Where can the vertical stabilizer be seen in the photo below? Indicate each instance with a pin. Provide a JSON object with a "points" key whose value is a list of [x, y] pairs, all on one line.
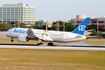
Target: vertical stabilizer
{"points": [[82, 27]]}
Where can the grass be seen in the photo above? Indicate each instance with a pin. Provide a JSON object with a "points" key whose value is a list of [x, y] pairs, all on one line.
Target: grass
{"points": [[52, 59]]}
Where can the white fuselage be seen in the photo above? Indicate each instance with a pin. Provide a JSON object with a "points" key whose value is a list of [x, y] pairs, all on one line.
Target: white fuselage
{"points": [[57, 36]]}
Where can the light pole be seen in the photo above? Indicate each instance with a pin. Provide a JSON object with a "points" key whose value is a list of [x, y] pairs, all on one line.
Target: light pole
{"points": [[58, 26], [64, 26], [46, 26], [97, 25]]}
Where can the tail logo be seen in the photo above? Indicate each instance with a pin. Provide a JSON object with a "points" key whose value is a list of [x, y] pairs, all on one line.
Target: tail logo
{"points": [[81, 28]]}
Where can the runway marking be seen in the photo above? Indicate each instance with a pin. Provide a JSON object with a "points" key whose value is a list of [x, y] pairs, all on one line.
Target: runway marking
{"points": [[62, 48], [12, 47]]}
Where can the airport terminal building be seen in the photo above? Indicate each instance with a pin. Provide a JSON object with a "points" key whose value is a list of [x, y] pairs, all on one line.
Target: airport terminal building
{"points": [[17, 13]]}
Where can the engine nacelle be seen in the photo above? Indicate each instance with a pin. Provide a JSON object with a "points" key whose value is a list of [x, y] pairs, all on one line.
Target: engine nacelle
{"points": [[23, 38]]}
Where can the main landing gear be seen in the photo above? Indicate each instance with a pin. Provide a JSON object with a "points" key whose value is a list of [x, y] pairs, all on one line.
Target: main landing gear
{"points": [[50, 44], [40, 42], [12, 39]]}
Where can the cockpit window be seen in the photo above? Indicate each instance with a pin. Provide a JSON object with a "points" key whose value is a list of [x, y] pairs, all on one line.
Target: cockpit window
{"points": [[10, 30]]}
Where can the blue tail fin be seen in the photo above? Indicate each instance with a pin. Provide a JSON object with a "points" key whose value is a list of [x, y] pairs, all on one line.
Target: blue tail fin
{"points": [[81, 28]]}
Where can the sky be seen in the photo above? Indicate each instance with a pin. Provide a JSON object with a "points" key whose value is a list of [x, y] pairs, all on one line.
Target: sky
{"points": [[65, 10]]}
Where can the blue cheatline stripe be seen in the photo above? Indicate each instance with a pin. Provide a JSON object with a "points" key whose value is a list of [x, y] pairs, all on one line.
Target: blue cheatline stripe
{"points": [[82, 27]]}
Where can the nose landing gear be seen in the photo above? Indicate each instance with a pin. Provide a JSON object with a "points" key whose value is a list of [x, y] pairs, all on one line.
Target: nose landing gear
{"points": [[12, 39]]}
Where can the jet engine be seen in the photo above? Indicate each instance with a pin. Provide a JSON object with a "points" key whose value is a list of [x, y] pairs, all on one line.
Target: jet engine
{"points": [[23, 38]]}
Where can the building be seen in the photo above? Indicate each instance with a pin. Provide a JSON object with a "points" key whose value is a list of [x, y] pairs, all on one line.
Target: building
{"points": [[17, 13], [44, 22], [80, 18], [98, 21]]}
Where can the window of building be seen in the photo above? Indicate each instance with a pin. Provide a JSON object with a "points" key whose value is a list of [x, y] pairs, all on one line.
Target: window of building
{"points": [[93, 21], [16, 7], [79, 21], [4, 8], [12, 14], [8, 19], [0, 12], [8, 14], [16, 19], [8, 8], [16, 10], [100, 21], [4, 12], [4, 19], [12, 10], [12, 7], [0, 21], [32, 8], [12, 17]]}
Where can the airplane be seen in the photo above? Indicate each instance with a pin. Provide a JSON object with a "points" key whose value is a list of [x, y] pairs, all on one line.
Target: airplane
{"points": [[26, 34]]}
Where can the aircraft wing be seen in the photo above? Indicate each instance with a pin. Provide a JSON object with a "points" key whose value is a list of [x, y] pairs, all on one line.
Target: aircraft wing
{"points": [[31, 35]]}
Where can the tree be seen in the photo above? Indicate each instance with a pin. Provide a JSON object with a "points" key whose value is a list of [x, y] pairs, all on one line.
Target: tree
{"points": [[101, 27], [92, 26], [70, 27], [23, 25], [37, 23], [5, 27], [44, 27], [99, 33], [12, 24], [36, 27], [54, 27]]}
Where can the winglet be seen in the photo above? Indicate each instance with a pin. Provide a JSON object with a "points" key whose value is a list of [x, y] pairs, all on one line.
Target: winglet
{"points": [[82, 27]]}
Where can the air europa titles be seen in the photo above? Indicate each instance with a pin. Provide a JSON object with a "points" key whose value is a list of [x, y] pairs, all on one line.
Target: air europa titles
{"points": [[20, 31]]}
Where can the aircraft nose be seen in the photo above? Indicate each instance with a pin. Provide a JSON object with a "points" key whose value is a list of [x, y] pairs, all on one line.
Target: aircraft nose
{"points": [[6, 33]]}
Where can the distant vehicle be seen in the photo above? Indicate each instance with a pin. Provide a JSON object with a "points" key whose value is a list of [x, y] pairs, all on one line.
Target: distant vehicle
{"points": [[25, 34]]}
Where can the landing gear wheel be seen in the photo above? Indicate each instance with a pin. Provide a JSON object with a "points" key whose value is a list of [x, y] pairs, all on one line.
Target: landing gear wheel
{"points": [[40, 44], [50, 44], [12, 40]]}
